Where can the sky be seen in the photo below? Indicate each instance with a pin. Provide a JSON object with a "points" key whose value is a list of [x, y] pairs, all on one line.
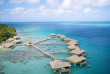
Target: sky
{"points": [[54, 10]]}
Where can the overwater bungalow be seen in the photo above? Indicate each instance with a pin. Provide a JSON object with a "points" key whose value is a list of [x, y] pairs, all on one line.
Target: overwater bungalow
{"points": [[80, 52], [58, 35], [16, 37], [71, 47], [60, 66], [67, 39], [8, 45], [10, 40], [77, 48], [77, 52], [1, 46], [62, 37], [78, 60], [72, 42], [52, 35], [16, 41]]}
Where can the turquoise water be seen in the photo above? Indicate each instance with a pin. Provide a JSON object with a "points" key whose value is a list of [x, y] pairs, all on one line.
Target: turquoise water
{"points": [[93, 37]]}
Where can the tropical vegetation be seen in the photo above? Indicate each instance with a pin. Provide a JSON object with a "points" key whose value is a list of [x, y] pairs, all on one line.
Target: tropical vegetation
{"points": [[6, 32]]}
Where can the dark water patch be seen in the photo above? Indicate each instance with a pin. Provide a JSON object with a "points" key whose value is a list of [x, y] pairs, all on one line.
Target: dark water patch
{"points": [[104, 59], [25, 62], [2, 72], [94, 71], [108, 63], [47, 66], [20, 55], [2, 67]]}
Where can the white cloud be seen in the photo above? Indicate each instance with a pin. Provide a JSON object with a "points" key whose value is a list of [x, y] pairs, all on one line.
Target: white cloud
{"points": [[33, 1], [52, 3], [42, 7], [101, 3], [79, 4], [16, 1], [96, 11], [41, 11], [87, 10], [24, 1], [71, 4], [17, 10], [1, 2]]}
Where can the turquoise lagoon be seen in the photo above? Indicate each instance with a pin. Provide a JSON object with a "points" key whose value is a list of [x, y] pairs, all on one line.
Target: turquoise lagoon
{"points": [[94, 38]]}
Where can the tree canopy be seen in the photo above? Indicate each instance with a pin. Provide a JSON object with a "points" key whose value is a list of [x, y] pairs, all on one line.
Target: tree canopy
{"points": [[6, 32]]}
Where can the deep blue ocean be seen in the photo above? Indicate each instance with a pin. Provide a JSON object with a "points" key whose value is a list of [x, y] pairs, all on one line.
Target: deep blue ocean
{"points": [[94, 38]]}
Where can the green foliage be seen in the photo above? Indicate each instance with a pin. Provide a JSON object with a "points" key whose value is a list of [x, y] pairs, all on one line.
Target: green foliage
{"points": [[6, 32]]}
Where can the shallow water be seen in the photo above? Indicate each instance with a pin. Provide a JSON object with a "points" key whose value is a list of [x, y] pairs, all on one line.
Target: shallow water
{"points": [[94, 40]]}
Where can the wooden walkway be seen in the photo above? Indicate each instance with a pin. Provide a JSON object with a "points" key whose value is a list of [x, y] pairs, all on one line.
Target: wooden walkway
{"points": [[19, 44], [65, 51], [46, 53], [62, 58], [52, 44], [42, 40]]}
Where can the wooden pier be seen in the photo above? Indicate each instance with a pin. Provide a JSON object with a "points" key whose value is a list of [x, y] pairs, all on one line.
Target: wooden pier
{"points": [[52, 44], [42, 41], [62, 58], [46, 53], [65, 51], [19, 44]]}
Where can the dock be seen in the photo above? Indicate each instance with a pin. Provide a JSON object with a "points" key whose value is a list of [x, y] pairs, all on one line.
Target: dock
{"points": [[52, 44], [19, 44], [65, 51], [46, 53], [61, 58], [42, 41]]}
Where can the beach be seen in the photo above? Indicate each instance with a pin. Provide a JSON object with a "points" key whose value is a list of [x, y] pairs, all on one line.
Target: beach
{"points": [[93, 38]]}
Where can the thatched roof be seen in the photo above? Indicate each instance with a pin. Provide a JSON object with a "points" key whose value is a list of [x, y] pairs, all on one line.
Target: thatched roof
{"points": [[1, 46], [59, 35], [16, 41], [76, 59], [72, 42], [66, 39], [62, 37], [77, 52], [8, 45], [72, 47], [10, 40], [57, 64], [52, 34], [77, 48], [16, 37]]}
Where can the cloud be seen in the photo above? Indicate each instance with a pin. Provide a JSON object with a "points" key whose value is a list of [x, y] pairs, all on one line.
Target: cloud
{"points": [[24, 1], [33, 1], [101, 3], [17, 10], [41, 11], [1, 2], [71, 4], [52, 3], [79, 4], [87, 10], [96, 11]]}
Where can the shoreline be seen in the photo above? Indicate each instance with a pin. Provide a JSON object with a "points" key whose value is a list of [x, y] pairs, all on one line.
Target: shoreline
{"points": [[10, 42]]}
